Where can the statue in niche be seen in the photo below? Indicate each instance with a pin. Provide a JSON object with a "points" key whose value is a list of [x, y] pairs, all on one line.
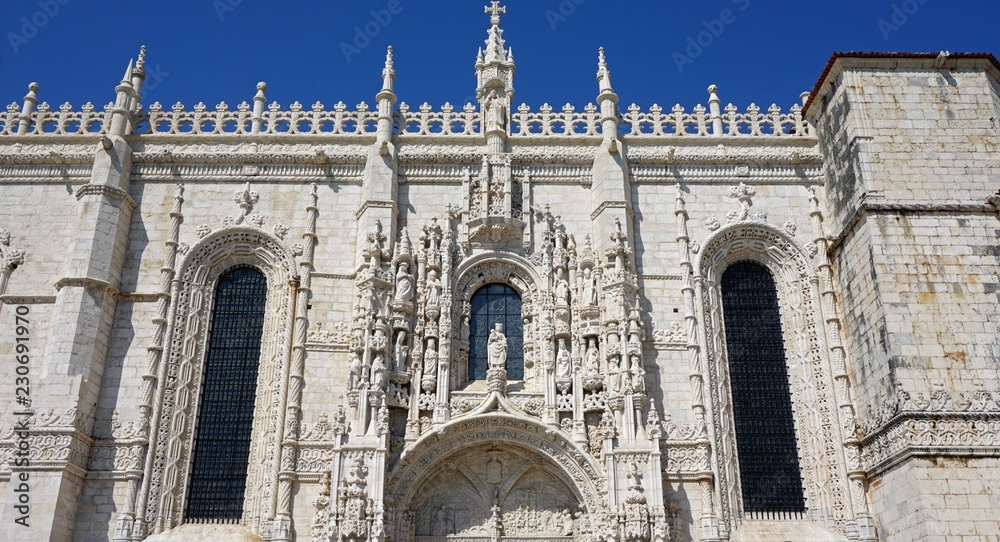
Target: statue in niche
{"points": [[354, 372], [404, 284], [563, 363], [464, 332], [430, 357], [400, 352], [433, 289], [615, 374], [593, 363], [497, 348], [638, 375], [562, 292], [378, 372], [494, 110], [589, 287]]}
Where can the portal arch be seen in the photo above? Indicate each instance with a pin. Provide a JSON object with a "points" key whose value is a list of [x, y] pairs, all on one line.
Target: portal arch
{"points": [[473, 472]]}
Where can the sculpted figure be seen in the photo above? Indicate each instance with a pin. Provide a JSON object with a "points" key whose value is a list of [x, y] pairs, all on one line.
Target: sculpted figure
{"points": [[378, 372], [433, 288], [354, 371], [563, 363], [589, 288], [494, 112], [593, 358], [442, 523], [615, 374], [567, 523], [400, 352], [404, 284], [638, 375], [430, 357], [497, 348], [562, 292]]}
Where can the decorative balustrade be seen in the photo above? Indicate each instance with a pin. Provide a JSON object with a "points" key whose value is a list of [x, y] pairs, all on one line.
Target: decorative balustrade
{"points": [[546, 123], [295, 120], [424, 121], [65, 121], [699, 122]]}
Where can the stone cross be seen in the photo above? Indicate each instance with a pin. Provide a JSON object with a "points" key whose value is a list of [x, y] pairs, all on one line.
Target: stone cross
{"points": [[495, 10]]}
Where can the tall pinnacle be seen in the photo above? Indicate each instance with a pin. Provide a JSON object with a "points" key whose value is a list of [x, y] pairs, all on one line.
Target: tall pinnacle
{"points": [[494, 42], [495, 63]]}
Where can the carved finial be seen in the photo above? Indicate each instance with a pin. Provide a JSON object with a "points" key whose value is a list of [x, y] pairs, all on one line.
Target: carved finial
{"points": [[261, 89], [494, 10], [140, 64], [388, 72], [602, 62]]}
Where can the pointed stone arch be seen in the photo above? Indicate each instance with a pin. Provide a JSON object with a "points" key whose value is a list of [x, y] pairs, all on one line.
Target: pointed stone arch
{"points": [[545, 452], [817, 423], [175, 413]]}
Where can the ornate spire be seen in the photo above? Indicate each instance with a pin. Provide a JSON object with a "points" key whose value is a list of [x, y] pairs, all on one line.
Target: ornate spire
{"points": [[140, 64], [603, 74], [388, 73], [495, 64]]}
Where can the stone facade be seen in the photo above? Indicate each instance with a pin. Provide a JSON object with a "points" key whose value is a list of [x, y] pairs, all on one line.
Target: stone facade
{"points": [[873, 205]]}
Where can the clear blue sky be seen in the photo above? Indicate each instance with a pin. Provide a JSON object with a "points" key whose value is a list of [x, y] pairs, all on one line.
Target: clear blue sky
{"points": [[213, 50]]}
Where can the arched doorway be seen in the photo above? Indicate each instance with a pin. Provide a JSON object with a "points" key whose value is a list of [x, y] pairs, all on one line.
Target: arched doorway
{"points": [[496, 477], [492, 489]]}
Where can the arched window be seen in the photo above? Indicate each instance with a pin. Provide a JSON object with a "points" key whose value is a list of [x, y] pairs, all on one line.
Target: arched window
{"points": [[229, 389], [492, 304], [770, 477]]}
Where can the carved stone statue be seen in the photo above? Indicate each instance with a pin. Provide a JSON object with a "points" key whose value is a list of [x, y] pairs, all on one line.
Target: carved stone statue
{"points": [[430, 357], [567, 523], [563, 363], [378, 372], [562, 292], [433, 289], [497, 348], [638, 375], [615, 374], [589, 288], [494, 113], [400, 352], [442, 522], [404, 284], [593, 364], [354, 372]]}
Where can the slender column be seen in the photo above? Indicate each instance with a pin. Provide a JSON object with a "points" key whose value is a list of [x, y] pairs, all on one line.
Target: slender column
{"points": [[131, 524], [281, 529]]}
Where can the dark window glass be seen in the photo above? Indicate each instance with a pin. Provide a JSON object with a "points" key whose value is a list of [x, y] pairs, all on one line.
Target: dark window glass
{"points": [[762, 407], [492, 304], [225, 414]]}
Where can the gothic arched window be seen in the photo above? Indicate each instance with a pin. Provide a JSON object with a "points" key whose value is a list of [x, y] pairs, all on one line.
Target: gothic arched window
{"points": [[493, 304], [229, 391], [770, 477]]}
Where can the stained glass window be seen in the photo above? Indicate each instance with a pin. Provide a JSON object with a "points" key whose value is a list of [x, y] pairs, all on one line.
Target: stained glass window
{"points": [[493, 304], [765, 432], [229, 390]]}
